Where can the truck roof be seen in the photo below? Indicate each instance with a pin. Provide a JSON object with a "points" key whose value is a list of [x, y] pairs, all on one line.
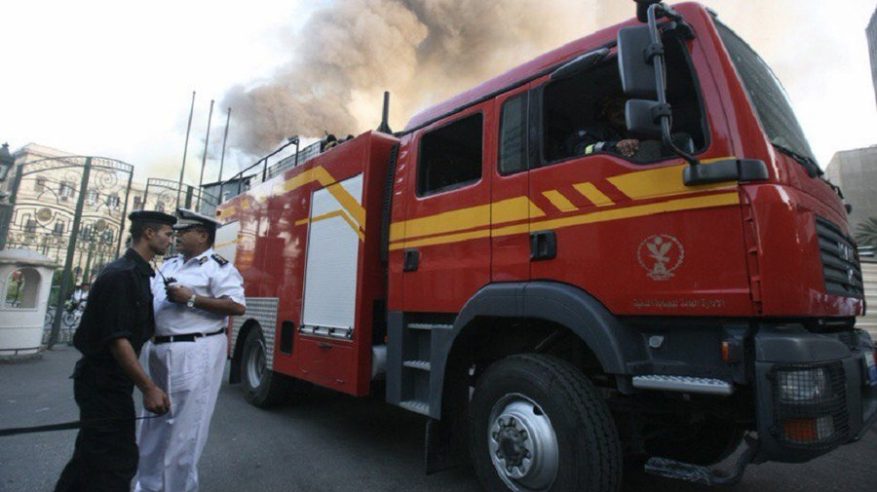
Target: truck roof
{"points": [[529, 70]]}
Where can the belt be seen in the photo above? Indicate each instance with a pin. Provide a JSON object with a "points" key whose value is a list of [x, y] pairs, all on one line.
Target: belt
{"points": [[187, 337]]}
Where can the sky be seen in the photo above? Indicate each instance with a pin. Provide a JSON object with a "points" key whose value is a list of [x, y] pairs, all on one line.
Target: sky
{"points": [[115, 79]]}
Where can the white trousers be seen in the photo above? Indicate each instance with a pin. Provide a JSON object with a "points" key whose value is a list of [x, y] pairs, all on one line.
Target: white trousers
{"points": [[171, 445]]}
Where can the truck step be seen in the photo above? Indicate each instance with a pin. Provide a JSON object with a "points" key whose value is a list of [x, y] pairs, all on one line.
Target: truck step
{"points": [[702, 475], [664, 467], [679, 471], [684, 384], [429, 326], [418, 406], [423, 365]]}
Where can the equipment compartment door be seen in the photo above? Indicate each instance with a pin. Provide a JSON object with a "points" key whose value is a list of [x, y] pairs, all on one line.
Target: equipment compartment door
{"points": [[331, 265]]}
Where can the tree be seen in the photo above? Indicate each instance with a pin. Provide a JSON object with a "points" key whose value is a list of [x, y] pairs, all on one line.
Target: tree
{"points": [[866, 232]]}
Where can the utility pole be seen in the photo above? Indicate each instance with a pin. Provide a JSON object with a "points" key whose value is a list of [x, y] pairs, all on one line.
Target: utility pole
{"points": [[186, 148], [204, 158], [222, 158]]}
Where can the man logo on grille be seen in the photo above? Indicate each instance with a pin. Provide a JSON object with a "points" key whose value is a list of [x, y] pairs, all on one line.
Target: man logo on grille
{"points": [[845, 251], [660, 255]]}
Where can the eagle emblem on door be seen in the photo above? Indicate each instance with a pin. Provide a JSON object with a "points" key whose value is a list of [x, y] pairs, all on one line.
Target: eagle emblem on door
{"points": [[660, 255]]}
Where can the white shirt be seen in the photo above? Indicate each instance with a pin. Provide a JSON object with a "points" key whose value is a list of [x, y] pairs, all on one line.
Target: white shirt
{"points": [[207, 277], [79, 295]]}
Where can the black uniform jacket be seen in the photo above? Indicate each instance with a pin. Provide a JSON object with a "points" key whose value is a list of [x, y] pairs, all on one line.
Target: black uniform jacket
{"points": [[119, 305]]}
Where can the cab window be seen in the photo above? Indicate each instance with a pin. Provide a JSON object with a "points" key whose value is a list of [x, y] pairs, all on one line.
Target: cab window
{"points": [[513, 135], [584, 114], [450, 156]]}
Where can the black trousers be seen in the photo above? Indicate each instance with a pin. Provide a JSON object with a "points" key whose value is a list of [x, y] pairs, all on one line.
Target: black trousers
{"points": [[106, 454]]}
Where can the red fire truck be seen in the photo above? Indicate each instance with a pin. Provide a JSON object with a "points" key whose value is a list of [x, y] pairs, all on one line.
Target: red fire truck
{"points": [[555, 300]]}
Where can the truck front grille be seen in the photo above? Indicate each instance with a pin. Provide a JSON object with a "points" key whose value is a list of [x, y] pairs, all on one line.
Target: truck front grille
{"points": [[840, 261]]}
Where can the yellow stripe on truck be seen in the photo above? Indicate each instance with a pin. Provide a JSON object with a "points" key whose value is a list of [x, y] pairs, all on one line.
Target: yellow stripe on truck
{"points": [[320, 175], [501, 212], [681, 204], [663, 182], [559, 201], [589, 191]]}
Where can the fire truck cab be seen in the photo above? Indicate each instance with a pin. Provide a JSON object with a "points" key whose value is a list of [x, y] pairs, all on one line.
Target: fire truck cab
{"points": [[556, 285]]}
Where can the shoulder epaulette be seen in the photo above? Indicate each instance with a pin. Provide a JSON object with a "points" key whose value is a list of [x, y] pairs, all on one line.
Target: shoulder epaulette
{"points": [[219, 259], [203, 260]]}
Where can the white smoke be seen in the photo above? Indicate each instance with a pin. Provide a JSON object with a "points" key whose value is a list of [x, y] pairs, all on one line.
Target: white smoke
{"points": [[422, 51]]}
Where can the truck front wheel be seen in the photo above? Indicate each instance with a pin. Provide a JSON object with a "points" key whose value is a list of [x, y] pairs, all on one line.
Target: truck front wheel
{"points": [[538, 424], [262, 386]]}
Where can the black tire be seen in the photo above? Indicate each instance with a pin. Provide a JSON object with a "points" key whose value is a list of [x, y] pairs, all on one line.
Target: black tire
{"points": [[585, 452], [705, 443], [262, 386]]}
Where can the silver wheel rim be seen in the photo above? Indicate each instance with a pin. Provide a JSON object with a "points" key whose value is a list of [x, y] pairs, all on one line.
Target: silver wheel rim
{"points": [[522, 444], [256, 365]]}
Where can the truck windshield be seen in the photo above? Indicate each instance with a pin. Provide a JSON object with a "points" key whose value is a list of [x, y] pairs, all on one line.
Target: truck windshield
{"points": [[769, 99]]}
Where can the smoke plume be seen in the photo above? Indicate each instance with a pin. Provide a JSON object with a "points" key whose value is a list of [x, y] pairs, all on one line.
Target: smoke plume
{"points": [[422, 51]]}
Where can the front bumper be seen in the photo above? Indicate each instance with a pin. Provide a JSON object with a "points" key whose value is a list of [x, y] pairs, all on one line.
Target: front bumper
{"points": [[812, 390]]}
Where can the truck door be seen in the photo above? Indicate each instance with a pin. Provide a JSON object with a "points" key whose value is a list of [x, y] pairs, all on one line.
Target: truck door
{"points": [[621, 224], [511, 205], [445, 236]]}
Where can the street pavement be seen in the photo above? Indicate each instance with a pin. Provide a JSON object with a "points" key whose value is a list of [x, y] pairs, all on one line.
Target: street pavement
{"points": [[326, 442]]}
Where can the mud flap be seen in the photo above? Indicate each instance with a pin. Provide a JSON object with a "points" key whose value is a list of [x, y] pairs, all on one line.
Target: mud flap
{"points": [[444, 448]]}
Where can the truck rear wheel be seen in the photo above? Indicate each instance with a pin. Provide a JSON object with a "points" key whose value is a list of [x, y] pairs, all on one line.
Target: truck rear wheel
{"points": [[262, 386], [538, 424]]}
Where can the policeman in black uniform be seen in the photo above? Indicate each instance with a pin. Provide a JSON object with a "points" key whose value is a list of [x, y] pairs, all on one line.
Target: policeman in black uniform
{"points": [[118, 319]]}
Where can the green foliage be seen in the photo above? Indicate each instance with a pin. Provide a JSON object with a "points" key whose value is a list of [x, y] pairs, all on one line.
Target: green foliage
{"points": [[56, 285], [866, 232]]}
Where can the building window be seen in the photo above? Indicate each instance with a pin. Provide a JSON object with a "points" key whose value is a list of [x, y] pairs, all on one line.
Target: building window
{"points": [[450, 157], [65, 190], [59, 228], [113, 201], [137, 204], [30, 226], [92, 197], [159, 206], [40, 183], [85, 233]]}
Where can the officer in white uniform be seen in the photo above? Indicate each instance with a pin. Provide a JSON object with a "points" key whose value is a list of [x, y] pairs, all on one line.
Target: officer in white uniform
{"points": [[194, 294]]}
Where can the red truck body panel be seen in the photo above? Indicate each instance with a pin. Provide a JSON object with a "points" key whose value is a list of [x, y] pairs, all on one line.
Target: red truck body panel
{"points": [[271, 255], [726, 250]]}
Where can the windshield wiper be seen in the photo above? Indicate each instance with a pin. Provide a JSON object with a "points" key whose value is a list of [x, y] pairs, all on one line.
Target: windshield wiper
{"points": [[809, 164]]}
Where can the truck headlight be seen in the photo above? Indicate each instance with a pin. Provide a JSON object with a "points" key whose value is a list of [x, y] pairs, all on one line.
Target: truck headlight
{"points": [[803, 385], [810, 405]]}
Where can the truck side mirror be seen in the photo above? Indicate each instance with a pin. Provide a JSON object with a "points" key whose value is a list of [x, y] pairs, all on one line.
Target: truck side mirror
{"points": [[634, 63], [643, 118]]}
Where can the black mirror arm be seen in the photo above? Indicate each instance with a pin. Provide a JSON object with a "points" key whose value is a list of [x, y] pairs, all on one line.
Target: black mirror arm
{"points": [[667, 140], [655, 53], [668, 12]]}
